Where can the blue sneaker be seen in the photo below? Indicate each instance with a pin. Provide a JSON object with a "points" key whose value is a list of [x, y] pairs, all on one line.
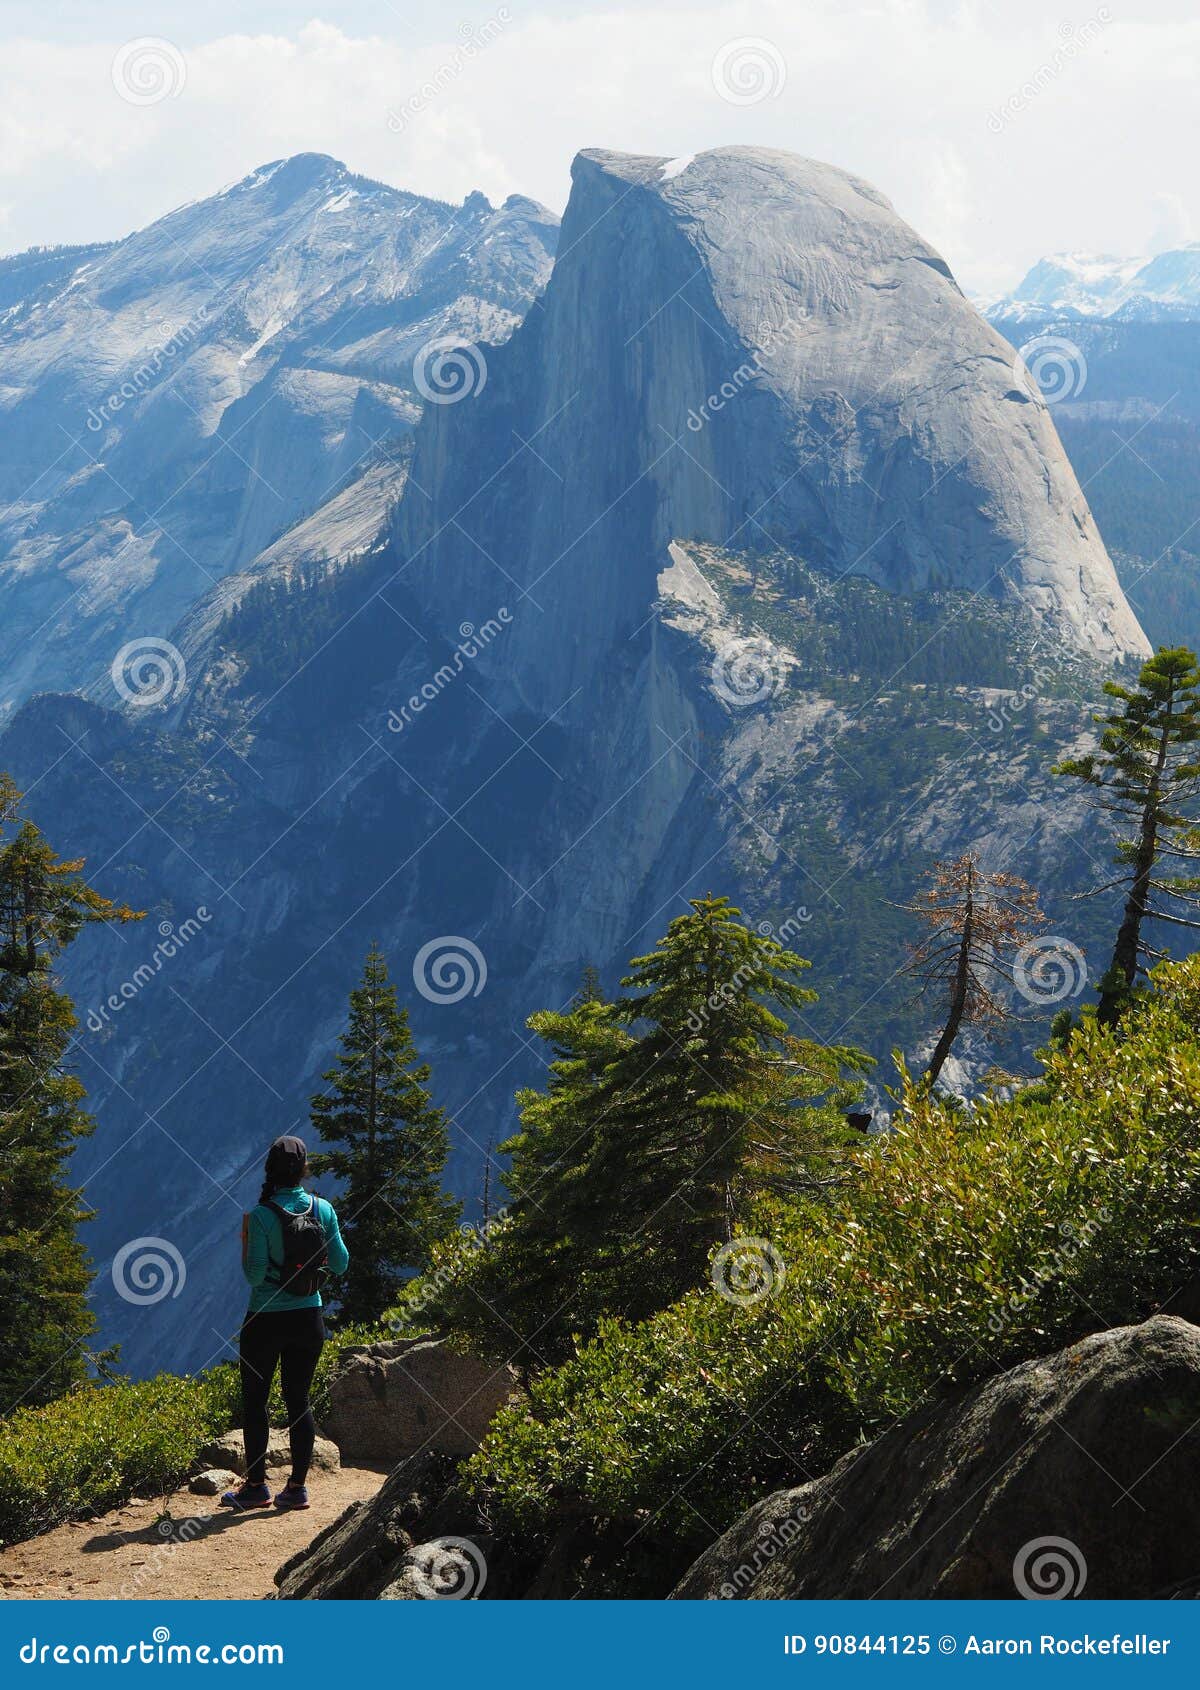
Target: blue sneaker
{"points": [[247, 1496], [292, 1496]]}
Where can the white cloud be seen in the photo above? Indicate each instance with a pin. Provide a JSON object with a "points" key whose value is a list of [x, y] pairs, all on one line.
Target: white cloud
{"points": [[1174, 224], [899, 91]]}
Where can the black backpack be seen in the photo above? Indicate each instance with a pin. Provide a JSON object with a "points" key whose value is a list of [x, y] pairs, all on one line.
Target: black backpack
{"points": [[305, 1252]]}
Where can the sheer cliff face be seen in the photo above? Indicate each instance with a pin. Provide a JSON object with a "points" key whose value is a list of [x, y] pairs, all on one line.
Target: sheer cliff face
{"points": [[753, 349], [173, 403]]}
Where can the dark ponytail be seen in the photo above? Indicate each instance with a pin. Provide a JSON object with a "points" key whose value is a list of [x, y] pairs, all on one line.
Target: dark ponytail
{"points": [[287, 1162]]}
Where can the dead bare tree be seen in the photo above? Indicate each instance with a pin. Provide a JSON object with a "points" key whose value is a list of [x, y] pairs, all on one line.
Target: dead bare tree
{"points": [[975, 922]]}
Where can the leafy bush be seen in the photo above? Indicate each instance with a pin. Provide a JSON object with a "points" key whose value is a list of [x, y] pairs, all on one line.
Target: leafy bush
{"points": [[964, 1242], [102, 1443]]}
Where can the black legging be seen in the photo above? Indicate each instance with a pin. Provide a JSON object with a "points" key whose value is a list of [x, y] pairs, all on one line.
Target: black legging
{"points": [[290, 1339]]}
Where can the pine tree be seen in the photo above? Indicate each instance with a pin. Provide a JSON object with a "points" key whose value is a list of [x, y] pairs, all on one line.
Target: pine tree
{"points": [[708, 1096], [590, 989], [391, 1147], [975, 922], [671, 1120], [1148, 775], [45, 1321]]}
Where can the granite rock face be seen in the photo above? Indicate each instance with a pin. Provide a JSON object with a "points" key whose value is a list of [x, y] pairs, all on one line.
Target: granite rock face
{"points": [[213, 1481], [1068, 1476], [752, 350], [388, 1401], [401, 1544]]}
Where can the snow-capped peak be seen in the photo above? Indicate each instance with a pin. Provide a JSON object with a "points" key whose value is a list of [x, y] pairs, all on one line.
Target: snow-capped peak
{"points": [[1086, 284]]}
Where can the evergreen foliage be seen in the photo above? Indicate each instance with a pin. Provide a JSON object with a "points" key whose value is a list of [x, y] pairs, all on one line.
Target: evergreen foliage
{"points": [[670, 1122], [45, 1321], [390, 1144], [1147, 774], [964, 1243]]}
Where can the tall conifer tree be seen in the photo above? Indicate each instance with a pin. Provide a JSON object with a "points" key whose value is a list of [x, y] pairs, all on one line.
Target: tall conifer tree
{"points": [[45, 1321], [1147, 774], [390, 1147]]}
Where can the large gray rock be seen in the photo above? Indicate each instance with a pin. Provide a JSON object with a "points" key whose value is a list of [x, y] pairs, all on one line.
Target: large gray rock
{"points": [[213, 1481], [1069, 1476], [230, 1452], [389, 1401], [417, 1539]]}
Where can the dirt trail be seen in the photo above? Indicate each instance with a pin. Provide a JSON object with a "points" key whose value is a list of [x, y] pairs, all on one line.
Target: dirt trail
{"points": [[196, 1550]]}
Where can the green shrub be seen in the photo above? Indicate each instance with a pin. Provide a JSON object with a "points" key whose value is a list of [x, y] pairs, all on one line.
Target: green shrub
{"points": [[102, 1443], [964, 1242]]}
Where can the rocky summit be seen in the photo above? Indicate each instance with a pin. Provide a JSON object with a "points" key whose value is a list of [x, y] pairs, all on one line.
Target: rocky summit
{"points": [[771, 358], [174, 403]]}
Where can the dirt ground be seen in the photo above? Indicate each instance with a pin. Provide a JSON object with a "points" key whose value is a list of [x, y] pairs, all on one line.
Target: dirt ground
{"points": [[185, 1547]]}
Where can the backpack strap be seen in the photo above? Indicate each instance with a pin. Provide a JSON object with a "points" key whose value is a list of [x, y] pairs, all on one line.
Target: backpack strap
{"points": [[274, 1268]]}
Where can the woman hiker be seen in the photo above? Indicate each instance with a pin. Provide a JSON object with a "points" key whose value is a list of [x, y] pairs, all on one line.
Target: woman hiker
{"points": [[288, 1242]]}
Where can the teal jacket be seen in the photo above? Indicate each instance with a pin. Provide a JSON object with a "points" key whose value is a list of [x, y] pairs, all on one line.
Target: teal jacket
{"points": [[262, 1247]]}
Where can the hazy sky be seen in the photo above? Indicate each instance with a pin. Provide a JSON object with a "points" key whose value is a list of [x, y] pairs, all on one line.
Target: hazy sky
{"points": [[1002, 131]]}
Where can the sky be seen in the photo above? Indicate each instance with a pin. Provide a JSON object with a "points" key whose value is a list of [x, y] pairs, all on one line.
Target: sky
{"points": [[1001, 131]]}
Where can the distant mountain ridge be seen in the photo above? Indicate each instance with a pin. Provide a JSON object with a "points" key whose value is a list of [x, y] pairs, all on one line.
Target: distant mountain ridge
{"points": [[1165, 288], [173, 403]]}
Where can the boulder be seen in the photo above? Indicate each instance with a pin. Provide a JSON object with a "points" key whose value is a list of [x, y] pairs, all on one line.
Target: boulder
{"points": [[389, 1401], [229, 1452], [1069, 1476], [213, 1482], [416, 1539], [421, 1539]]}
